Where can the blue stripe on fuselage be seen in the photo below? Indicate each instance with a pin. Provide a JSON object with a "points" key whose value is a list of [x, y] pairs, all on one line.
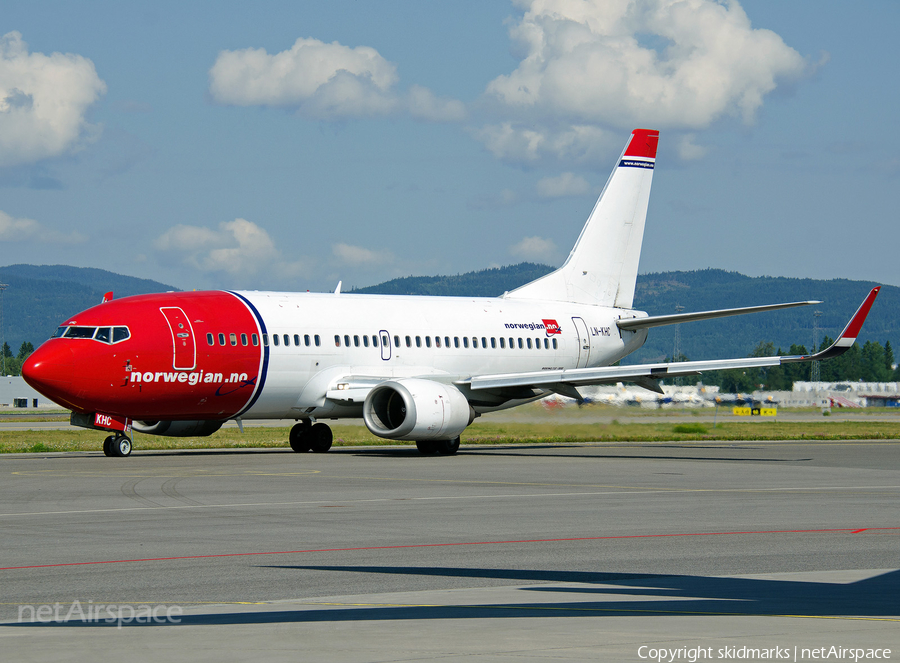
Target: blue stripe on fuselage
{"points": [[265, 367]]}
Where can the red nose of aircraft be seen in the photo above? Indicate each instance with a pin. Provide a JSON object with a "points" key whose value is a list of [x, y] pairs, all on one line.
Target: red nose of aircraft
{"points": [[51, 370]]}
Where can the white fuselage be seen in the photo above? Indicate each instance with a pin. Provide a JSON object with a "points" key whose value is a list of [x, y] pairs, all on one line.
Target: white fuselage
{"points": [[446, 339]]}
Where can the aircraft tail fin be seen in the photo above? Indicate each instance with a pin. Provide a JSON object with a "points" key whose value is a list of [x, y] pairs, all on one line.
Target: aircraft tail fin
{"points": [[602, 267]]}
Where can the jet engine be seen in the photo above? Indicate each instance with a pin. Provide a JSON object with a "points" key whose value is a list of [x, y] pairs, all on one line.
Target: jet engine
{"points": [[417, 409], [198, 428]]}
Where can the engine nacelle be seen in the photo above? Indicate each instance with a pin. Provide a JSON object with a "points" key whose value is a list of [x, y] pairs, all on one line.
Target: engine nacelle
{"points": [[198, 428], [417, 409]]}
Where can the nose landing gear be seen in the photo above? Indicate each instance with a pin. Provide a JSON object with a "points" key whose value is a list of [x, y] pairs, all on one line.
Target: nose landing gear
{"points": [[118, 445]]}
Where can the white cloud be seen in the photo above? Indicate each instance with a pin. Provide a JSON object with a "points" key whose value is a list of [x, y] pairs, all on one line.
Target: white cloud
{"points": [[565, 184], [325, 81], [532, 142], [357, 255], [679, 64], [424, 105], [43, 100], [238, 247], [27, 230], [535, 248], [688, 150]]}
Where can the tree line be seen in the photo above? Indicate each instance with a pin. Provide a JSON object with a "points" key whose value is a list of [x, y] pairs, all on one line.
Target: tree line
{"points": [[13, 365], [871, 362]]}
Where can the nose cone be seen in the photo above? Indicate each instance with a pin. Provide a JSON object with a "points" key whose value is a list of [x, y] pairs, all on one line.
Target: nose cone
{"points": [[50, 370]]}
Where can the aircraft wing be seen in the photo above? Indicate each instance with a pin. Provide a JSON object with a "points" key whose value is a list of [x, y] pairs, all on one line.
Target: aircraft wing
{"points": [[646, 375]]}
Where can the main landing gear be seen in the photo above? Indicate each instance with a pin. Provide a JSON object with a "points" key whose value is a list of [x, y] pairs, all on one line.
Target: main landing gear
{"points": [[118, 445], [307, 436], [442, 447]]}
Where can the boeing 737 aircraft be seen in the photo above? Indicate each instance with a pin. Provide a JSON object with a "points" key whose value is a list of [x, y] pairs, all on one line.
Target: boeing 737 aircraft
{"points": [[415, 368]]}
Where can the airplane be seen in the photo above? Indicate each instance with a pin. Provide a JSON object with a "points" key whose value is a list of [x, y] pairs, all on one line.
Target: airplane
{"points": [[414, 368]]}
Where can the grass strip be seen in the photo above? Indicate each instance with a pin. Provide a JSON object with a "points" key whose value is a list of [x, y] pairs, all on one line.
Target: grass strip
{"points": [[78, 439]]}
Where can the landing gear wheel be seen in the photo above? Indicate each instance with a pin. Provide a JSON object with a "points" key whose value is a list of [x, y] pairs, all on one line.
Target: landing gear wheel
{"points": [[120, 446], [426, 447], [108, 446], [448, 447], [320, 438], [299, 437]]}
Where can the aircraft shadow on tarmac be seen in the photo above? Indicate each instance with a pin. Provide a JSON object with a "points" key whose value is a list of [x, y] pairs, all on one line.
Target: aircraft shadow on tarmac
{"points": [[674, 595]]}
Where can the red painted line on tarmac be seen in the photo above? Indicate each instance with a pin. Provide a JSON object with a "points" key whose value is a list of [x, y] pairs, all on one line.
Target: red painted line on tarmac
{"points": [[457, 543]]}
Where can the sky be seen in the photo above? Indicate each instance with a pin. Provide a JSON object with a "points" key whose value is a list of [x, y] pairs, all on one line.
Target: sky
{"points": [[292, 145]]}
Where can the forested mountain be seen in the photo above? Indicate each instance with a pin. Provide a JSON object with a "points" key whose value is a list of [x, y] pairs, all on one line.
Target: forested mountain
{"points": [[40, 297], [660, 293]]}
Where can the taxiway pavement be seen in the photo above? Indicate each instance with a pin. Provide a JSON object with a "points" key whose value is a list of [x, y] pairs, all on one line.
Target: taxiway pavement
{"points": [[507, 553]]}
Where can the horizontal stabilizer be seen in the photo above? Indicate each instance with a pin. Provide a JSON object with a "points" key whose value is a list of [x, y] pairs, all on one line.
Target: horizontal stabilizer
{"points": [[631, 324]]}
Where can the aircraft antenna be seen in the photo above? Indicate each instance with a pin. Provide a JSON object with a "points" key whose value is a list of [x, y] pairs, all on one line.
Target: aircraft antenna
{"points": [[814, 369]]}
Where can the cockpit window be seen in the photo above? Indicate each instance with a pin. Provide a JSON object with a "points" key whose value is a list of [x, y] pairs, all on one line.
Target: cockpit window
{"points": [[80, 332], [102, 334]]}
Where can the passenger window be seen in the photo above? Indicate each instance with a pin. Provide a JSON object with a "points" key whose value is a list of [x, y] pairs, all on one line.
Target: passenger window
{"points": [[243, 339], [375, 340], [529, 343], [474, 341], [483, 342], [265, 340], [287, 340], [520, 343], [356, 341], [255, 339], [209, 339], [493, 343], [396, 341], [408, 344], [456, 341], [546, 344], [366, 341], [221, 339], [427, 341], [233, 338], [275, 339], [465, 341], [120, 334], [316, 339], [502, 343], [337, 341], [446, 341], [437, 341], [306, 340], [512, 343], [554, 344], [103, 334], [418, 341], [297, 339]]}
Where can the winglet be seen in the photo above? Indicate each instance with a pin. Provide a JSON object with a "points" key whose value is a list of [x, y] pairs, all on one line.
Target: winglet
{"points": [[107, 297], [847, 337]]}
